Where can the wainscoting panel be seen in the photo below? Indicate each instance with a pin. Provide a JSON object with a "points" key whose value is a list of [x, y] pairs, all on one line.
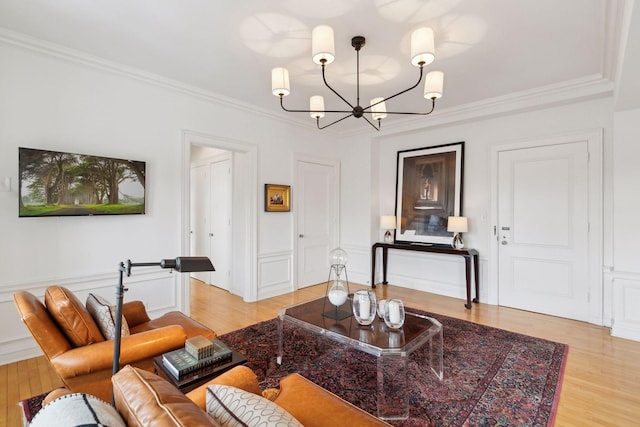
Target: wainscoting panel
{"points": [[626, 300], [359, 264], [275, 273], [158, 290]]}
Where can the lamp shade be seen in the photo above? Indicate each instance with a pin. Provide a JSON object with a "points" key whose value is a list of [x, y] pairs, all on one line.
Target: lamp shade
{"points": [[379, 110], [422, 47], [457, 224], [388, 222], [316, 105], [187, 264], [433, 85], [280, 81], [322, 46]]}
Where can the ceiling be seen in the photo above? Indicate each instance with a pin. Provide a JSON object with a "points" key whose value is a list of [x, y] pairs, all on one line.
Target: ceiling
{"points": [[488, 49]]}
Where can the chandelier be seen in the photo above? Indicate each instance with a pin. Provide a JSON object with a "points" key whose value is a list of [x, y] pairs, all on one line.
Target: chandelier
{"points": [[323, 51]]}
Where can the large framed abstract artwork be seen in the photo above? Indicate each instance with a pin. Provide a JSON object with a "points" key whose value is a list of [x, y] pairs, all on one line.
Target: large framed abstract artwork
{"points": [[428, 192]]}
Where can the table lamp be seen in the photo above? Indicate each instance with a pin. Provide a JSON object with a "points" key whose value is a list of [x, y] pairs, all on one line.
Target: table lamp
{"points": [[180, 264], [457, 225], [388, 222]]}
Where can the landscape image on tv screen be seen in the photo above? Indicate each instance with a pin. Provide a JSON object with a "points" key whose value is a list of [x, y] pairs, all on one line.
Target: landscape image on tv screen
{"points": [[54, 183]]}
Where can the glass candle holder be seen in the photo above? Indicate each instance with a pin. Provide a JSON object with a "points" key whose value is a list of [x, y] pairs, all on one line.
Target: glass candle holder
{"points": [[364, 306], [382, 307], [394, 314]]}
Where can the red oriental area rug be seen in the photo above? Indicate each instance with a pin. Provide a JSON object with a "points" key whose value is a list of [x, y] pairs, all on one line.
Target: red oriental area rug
{"points": [[492, 377]]}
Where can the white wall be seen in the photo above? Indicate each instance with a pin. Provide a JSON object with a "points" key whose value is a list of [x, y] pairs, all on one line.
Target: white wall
{"points": [[625, 275], [52, 102], [445, 275]]}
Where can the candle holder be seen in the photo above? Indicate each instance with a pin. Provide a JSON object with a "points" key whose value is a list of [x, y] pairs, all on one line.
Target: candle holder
{"points": [[394, 314], [364, 306], [337, 292]]}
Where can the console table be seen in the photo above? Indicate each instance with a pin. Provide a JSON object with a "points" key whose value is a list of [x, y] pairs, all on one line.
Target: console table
{"points": [[466, 253]]}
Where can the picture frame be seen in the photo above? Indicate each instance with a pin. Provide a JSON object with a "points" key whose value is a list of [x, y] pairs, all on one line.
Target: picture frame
{"points": [[277, 198], [428, 191]]}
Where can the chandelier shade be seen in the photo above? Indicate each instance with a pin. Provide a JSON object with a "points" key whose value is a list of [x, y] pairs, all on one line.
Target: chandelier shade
{"points": [[422, 49], [316, 105], [280, 81], [323, 54]]}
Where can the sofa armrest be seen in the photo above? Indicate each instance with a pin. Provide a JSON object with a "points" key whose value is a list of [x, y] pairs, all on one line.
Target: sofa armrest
{"points": [[135, 313], [240, 377], [312, 405], [99, 356]]}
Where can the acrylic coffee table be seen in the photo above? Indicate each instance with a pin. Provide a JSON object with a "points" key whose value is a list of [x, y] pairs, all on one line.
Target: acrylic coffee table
{"points": [[392, 348]]}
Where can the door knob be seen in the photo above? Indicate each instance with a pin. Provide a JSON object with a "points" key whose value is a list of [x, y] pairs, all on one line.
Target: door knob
{"points": [[301, 235], [210, 234], [504, 242]]}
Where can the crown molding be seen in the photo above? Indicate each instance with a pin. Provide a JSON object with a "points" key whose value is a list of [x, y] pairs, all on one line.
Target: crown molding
{"points": [[44, 47], [588, 87]]}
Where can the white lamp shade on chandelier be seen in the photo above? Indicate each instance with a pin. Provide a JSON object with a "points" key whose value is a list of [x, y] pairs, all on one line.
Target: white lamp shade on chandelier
{"points": [[280, 81], [322, 45], [316, 105], [378, 108], [434, 85], [422, 47]]}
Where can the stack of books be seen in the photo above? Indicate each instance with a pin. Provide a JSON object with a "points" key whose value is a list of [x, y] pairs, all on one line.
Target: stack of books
{"points": [[199, 354]]}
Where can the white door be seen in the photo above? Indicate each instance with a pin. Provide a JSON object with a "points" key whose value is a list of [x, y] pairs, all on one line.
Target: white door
{"points": [[317, 220], [543, 236], [199, 230], [220, 227]]}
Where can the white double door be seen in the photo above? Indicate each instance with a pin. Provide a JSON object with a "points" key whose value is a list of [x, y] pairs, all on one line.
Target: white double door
{"points": [[543, 229], [211, 213]]}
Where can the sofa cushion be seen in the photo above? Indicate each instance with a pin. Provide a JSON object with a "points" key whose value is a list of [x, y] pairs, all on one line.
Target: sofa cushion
{"points": [[233, 407], [72, 316], [145, 399], [77, 409], [104, 314]]}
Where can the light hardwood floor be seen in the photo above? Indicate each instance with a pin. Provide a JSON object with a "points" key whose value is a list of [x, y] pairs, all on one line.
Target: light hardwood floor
{"points": [[601, 384]]}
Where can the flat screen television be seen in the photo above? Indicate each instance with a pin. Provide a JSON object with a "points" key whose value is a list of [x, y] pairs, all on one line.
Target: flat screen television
{"points": [[53, 183]]}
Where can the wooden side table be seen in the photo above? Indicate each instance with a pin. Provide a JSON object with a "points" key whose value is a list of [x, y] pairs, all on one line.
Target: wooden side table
{"points": [[468, 254], [191, 382]]}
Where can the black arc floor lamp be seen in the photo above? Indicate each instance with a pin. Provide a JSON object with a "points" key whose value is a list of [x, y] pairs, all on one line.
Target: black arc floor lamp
{"points": [[181, 264]]}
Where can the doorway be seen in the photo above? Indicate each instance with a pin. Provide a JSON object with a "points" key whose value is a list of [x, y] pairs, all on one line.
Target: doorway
{"points": [[243, 252], [212, 212], [546, 249]]}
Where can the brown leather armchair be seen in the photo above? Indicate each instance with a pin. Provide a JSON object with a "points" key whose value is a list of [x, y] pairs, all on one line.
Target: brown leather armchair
{"points": [[73, 344]]}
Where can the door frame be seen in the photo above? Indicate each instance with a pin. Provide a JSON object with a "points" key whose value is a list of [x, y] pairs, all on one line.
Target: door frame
{"points": [[335, 232], [594, 141], [245, 252]]}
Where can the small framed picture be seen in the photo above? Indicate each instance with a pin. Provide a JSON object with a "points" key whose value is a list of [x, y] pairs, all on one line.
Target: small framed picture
{"points": [[277, 198]]}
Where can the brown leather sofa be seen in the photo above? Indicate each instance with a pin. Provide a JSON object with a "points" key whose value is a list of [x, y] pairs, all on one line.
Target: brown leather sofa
{"points": [[75, 347], [144, 399]]}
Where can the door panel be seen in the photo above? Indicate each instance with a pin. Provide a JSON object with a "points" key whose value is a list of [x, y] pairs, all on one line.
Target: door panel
{"points": [[316, 221], [220, 230], [543, 229], [199, 216]]}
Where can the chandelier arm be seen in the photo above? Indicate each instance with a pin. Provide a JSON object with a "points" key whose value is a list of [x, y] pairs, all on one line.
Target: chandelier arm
{"points": [[333, 90], [433, 106], [312, 111], [330, 124], [400, 93], [369, 121]]}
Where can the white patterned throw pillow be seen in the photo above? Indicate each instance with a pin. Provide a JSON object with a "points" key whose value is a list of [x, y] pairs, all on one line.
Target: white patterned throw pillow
{"points": [[104, 315], [233, 407], [77, 409]]}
